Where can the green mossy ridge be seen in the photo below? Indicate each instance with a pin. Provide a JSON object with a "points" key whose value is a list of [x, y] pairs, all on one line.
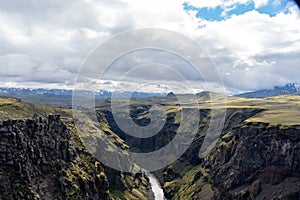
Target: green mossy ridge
{"points": [[194, 178], [12, 108], [82, 168], [136, 193], [117, 195]]}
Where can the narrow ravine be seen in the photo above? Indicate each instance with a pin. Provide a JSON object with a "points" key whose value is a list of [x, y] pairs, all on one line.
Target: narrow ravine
{"points": [[155, 185]]}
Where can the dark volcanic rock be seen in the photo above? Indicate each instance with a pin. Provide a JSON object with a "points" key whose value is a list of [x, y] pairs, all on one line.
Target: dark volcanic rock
{"points": [[37, 160], [257, 161], [249, 161], [44, 158]]}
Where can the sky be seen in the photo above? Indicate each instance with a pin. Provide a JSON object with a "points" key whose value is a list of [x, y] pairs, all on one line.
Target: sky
{"points": [[254, 44]]}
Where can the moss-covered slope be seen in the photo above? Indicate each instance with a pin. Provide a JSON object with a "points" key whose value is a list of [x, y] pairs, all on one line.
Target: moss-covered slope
{"points": [[256, 157], [44, 158]]}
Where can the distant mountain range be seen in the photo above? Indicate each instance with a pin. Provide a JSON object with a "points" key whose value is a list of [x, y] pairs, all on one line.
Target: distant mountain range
{"points": [[64, 92], [63, 97], [291, 88]]}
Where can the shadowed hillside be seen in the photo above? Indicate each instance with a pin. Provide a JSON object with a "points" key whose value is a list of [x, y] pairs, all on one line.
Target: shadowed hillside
{"points": [[256, 156], [43, 158]]}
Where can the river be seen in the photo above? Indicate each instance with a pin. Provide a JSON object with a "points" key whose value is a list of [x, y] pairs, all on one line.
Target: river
{"points": [[155, 185]]}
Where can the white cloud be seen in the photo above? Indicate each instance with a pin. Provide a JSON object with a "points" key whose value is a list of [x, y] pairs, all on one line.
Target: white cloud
{"points": [[203, 4], [228, 4], [15, 65], [260, 3], [215, 3], [255, 50], [51, 39]]}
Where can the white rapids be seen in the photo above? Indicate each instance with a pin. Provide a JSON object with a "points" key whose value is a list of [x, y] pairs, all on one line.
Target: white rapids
{"points": [[155, 185]]}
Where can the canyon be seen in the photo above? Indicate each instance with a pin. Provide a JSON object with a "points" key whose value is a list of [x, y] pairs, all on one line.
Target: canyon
{"points": [[42, 155]]}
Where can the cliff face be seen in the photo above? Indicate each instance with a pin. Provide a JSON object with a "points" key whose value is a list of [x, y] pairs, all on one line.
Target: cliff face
{"points": [[38, 160], [256, 161], [43, 158], [256, 157], [250, 161]]}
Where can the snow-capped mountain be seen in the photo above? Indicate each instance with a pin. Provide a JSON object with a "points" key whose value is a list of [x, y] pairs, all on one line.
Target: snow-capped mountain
{"points": [[63, 97], [290, 88], [64, 92]]}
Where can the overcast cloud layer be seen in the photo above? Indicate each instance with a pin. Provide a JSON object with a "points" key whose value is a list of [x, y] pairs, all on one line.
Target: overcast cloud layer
{"points": [[43, 43]]}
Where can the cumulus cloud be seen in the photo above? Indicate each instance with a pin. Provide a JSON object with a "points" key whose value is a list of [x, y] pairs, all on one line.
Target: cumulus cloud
{"points": [[260, 3], [216, 3], [62, 34], [255, 50], [45, 42]]}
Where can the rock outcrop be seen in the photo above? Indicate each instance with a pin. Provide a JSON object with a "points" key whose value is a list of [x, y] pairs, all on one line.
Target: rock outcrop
{"points": [[43, 158], [250, 161], [256, 161], [39, 160]]}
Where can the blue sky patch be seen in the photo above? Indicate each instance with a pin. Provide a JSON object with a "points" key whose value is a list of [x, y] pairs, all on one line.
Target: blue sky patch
{"points": [[211, 14], [272, 8], [187, 6], [241, 9]]}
